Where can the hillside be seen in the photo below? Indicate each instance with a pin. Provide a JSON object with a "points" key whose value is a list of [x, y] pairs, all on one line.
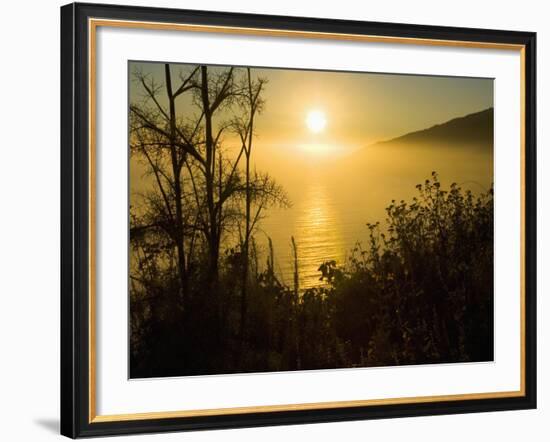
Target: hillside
{"points": [[473, 130]]}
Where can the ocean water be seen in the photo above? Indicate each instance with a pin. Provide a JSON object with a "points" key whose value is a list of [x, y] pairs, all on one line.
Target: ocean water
{"points": [[327, 221], [331, 205], [315, 221]]}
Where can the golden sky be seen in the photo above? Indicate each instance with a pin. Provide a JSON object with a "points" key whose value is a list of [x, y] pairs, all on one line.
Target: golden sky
{"points": [[359, 108]]}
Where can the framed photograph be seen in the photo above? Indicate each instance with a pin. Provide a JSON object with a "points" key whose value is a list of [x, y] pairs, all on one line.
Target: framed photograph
{"points": [[275, 220]]}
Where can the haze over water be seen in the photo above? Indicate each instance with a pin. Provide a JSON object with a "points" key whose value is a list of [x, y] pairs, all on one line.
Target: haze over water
{"points": [[333, 202]]}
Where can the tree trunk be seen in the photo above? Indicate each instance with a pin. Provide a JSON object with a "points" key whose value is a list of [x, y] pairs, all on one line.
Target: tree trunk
{"points": [[246, 247], [176, 170], [213, 234]]}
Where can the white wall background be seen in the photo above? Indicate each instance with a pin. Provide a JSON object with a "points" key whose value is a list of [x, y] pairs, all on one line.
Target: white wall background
{"points": [[29, 219]]}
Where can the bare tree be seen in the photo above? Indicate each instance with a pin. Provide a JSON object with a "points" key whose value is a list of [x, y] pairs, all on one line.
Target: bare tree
{"points": [[191, 144], [202, 189], [260, 190], [244, 126], [154, 131], [215, 91]]}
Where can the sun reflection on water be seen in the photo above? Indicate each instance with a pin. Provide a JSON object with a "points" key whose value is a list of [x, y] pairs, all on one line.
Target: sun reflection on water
{"points": [[317, 235]]}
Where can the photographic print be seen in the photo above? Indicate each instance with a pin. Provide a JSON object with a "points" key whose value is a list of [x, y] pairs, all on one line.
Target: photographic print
{"points": [[285, 219]]}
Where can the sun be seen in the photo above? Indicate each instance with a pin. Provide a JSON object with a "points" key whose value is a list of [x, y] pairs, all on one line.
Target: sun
{"points": [[316, 121]]}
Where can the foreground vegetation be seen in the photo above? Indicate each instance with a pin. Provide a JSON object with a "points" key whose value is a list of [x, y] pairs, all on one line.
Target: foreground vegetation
{"points": [[420, 290]]}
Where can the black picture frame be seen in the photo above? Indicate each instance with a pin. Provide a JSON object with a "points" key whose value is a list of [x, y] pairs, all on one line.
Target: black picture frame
{"points": [[75, 220]]}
